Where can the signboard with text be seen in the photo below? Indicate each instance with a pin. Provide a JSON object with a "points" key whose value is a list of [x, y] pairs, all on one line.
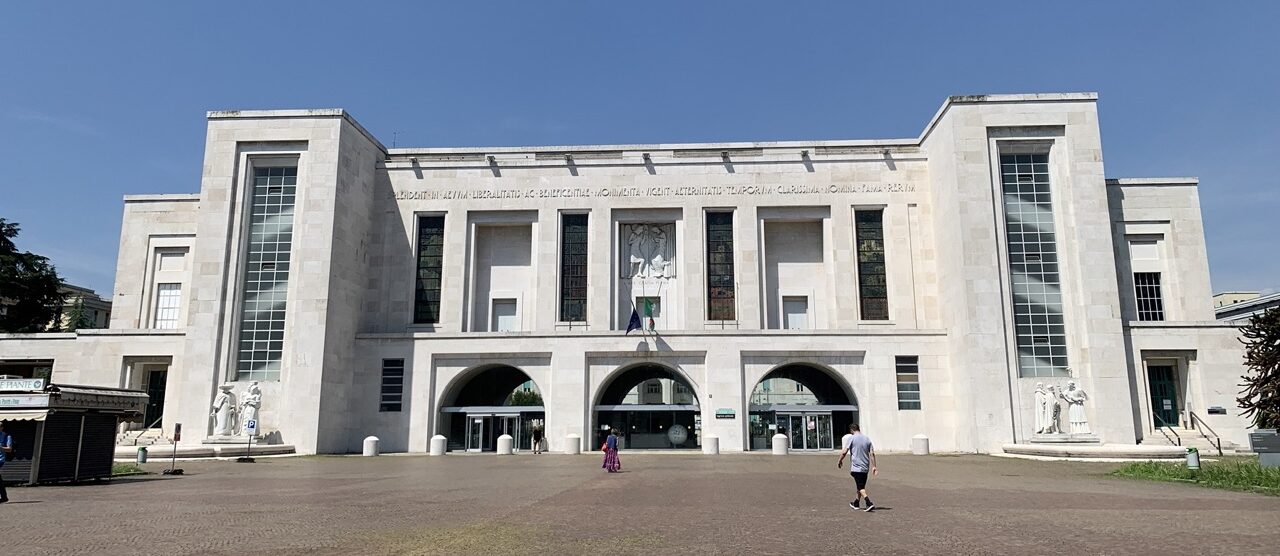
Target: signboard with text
{"points": [[21, 384], [29, 400]]}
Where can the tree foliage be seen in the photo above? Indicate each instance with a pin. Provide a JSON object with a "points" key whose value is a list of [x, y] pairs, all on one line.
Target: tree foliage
{"points": [[1260, 396], [29, 296], [523, 398], [76, 317]]}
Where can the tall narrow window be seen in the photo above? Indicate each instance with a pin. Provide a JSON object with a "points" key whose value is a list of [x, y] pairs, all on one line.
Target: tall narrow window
{"points": [[573, 268], [1150, 301], [426, 301], [1033, 265], [873, 287], [720, 289], [266, 274], [168, 303], [392, 395], [907, 368]]}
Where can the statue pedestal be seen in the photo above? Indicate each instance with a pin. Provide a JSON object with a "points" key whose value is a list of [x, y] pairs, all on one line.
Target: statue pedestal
{"points": [[231, 440], [1065, 439]]}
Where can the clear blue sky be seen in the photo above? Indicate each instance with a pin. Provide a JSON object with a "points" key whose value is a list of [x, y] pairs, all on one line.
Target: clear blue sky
{"points": [[103, 99]]}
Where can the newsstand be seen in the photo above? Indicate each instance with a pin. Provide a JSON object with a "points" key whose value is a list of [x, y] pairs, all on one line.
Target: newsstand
{"points": [[63, 432]]}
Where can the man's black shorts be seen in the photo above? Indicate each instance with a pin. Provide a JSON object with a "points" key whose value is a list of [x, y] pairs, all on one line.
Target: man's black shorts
{"points": [[859, 477]]}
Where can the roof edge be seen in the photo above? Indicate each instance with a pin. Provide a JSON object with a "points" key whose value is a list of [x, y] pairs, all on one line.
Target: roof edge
{"points": [[1088, 96], [1181, 180], [296, 113]]}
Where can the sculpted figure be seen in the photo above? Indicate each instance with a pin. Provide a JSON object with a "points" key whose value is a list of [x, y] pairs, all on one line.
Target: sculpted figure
{"points": [[1041, 408], [249, 407], [1075, 398], [1052, 410], [635, 242], [224, 411], [660, 267]]}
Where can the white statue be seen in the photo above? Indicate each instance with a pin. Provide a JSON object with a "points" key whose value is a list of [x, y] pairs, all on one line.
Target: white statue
{"points": [[636, 241], [1075, 399], [660, 267], [1052, 409], [224, 411], [1041, 408], [249, 407]]}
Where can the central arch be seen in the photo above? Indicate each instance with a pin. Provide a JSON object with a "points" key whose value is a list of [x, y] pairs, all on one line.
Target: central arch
{"points": [[808, 403], [486, 402], [652, 405]]}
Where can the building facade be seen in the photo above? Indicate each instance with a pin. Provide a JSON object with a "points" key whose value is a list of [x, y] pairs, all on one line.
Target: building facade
{"points": [[672, 291]]}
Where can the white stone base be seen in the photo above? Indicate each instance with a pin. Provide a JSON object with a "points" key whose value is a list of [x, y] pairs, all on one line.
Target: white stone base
{"points": [[1097, 451], [1065, 439], [231, 440], [206, 451]]}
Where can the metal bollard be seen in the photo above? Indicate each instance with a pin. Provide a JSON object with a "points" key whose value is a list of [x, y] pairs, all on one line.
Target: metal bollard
{"points": [[142, 454], [371, 446], [780, 444], [439, 444], [1193, 459]]}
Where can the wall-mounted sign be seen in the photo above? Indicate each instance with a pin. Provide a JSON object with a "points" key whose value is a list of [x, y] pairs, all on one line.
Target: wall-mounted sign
{"points": [[31, 400], [21, 384], [725, 414]]}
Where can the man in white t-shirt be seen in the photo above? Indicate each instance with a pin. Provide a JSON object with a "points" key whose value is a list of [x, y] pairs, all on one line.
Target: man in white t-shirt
{"points": [[862, 463]]}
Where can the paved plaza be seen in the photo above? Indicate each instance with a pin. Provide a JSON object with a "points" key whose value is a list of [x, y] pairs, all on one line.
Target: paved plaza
{"points": [[661, 503]]}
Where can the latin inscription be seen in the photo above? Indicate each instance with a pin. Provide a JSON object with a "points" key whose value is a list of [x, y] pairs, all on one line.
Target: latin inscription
{"points": [[653, 191]]}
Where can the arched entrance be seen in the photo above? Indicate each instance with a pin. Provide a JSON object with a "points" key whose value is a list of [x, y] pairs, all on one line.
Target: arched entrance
{"points": [[654, 407], [486, 403], [806, 402]]}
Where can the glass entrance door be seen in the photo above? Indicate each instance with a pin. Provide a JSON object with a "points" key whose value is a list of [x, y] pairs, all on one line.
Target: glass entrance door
{"points": [[479, 429], [808, 431], [1164, 394], [509, 424], [155, 397]]}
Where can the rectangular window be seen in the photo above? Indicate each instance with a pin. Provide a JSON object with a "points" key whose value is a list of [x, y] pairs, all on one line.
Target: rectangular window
{"points": [[1033, 266], [1150, 301], [654, 388], [873, 289], [392, 385], [720, 286], [505, 318], [426, 301], [573, 268], [796, 311], [266, 273], [168, 303], [907, 367]]}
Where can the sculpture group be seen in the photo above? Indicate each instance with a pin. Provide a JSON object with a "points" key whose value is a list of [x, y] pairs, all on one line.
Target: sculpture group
{"points": [[649, 253], [1048, 411], [228, 418]]}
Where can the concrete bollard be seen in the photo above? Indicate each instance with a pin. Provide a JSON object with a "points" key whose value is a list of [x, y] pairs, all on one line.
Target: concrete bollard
{"points": [[370, 446], [506, 445], [572, 444], [920, 445], [439, 444], [780, 444], [710, 444]]}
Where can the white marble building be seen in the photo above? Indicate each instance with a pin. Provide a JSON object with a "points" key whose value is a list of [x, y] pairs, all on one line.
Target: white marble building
{"points": [[917, 286]]}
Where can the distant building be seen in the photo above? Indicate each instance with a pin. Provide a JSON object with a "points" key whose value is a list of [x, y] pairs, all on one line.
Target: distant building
{"points": [[1230, 298], [1244, 310], [95, 310]]}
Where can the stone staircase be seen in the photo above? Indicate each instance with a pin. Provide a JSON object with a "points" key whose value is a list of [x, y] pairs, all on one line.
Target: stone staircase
{"points": [[149, 437], [1191, 438]]}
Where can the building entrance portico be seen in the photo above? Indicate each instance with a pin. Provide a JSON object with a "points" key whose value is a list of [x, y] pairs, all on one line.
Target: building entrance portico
{"points": [[489, 403], [804, 402], [653, 406]]}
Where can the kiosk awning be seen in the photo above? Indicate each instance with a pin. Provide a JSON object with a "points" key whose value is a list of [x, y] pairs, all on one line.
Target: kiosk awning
{"points": [[38, 415]]}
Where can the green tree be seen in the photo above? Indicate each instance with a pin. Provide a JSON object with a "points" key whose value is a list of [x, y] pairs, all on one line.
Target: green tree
{"points": [[29, 296], [522, 398], [76, 318], [1260, 397]]}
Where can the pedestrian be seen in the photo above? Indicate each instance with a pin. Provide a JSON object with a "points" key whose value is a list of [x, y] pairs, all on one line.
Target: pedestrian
{"points": [[610, 448], [6, 448], [862, 462], [537, 440]]}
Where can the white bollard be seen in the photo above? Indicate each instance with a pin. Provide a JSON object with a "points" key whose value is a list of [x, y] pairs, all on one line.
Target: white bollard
{"points": [[920, 445], [506, 445], [371, 446], [439, 444], [710, 444], [572, 444], [780, 444]]}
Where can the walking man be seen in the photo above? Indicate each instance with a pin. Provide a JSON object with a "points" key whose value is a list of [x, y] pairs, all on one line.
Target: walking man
{"points": [[862, 462], [6, 448]]}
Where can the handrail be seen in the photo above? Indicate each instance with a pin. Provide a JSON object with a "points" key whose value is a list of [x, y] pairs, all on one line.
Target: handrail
{"points": [[1163, 425], [1216, 440], [145, 429]]}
